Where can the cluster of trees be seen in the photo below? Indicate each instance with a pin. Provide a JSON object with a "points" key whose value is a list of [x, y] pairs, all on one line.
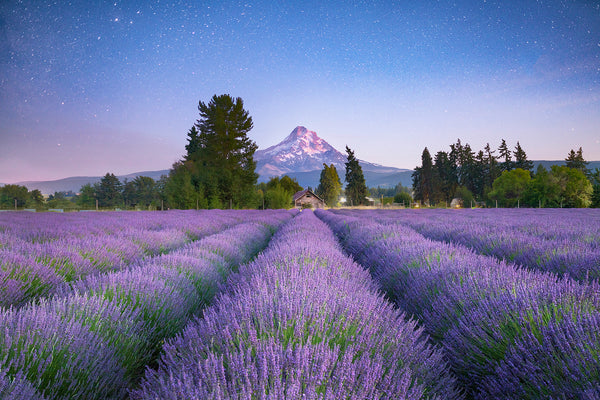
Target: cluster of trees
{"points": [[278, 192], [140, 193], [506, 179], [16, 196]]}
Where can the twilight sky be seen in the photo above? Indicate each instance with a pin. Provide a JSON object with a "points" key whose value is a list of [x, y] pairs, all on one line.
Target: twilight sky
{"points": [[113, 86]]}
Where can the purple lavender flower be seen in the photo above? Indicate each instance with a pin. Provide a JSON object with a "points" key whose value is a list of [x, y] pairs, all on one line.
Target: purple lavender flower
{"points": [[503, 329], [300, 320], [17, 388]]}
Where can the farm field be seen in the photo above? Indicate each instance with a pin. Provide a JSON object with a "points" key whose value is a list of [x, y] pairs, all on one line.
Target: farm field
{"points": [[338, 304], [507, 330]]}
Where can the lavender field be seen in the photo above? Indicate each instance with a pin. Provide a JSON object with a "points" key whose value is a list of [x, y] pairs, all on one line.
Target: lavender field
{"points": [[339, 304]]}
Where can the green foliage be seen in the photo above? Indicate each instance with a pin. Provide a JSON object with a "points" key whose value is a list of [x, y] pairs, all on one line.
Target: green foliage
{"points": [[575, 160], [521, 160], [145, 193], [423, 183], [445, 177], [508, 189], [179, 189], [36, 199], [356, 188], [60, 200], [595, 180], [465, 195], [403, 198], [543, 190], [595, 199], [278, 192], [10, 193], [575, 189], [505, 156], [278, 197], [109, 191], [87, 197], [330, 186], [220, 153]]}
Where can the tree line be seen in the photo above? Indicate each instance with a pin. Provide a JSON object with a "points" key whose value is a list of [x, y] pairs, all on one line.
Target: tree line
{"points": [[506, 179], [218, 171]]}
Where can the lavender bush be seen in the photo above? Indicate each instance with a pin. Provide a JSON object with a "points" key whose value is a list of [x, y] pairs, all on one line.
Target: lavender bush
{"points": [[560, 241], [301, 321], [17, 388], [38, 252], [95, 337], [502, 328]]}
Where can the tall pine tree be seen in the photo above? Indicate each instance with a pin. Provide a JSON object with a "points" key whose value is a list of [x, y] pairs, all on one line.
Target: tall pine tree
{"points": [[445, 176], [222, 153], [505, 156], [356, 188], [521, 160], [423, 178], [575, 160]]}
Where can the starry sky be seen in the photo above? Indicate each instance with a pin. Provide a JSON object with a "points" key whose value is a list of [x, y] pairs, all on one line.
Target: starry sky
{"points": [[113, 86]]}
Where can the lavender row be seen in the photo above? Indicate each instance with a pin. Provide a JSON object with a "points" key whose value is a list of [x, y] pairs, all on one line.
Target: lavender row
{"points": [[507, 332], [94, 340], [36, 268], [560, 241], [300, 321]]}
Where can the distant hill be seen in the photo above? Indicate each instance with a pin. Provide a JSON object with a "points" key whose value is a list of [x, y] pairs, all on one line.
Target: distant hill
{"points": [[592, 165], [76, 182]]}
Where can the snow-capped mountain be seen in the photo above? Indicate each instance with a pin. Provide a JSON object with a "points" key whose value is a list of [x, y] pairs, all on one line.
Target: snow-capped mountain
{"points": [[304, 151]]}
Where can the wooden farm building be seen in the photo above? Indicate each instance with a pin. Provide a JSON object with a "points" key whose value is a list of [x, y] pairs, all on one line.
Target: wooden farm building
{"points": [[307, 199]]}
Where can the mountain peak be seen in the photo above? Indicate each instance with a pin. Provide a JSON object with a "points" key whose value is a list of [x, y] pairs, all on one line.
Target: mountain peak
{"points": [[303, 151]]}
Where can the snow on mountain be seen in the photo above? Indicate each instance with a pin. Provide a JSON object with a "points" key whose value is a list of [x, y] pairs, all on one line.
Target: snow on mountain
{"points": [[304, 151]]}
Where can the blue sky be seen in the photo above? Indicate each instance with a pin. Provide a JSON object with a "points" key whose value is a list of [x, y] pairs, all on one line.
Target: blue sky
{"points": [[114, 86]]}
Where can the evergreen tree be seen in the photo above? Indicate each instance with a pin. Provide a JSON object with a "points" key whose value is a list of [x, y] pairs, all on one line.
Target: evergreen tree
{"points": [[445, 176], [469, 169], [128, 193], [478, 172], [222, 154], [193, 144], [521, 160], [87, 197], [423, 178], [491, 168], [145, 191], [108, 191], [330, 185], [356, 188], [504, 154], [575, 160]]}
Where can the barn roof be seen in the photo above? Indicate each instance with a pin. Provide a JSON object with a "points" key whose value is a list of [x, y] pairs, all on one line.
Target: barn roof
{"points": [[302, 193]]}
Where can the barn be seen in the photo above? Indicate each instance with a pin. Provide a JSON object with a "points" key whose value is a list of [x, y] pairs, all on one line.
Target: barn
{"points": [[308, 199]]}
